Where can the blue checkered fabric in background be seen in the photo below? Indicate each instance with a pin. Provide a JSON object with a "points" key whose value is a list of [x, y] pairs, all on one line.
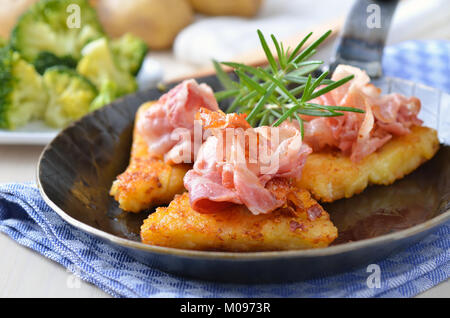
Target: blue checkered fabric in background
{"points": [[426, 62], [28, 220]]}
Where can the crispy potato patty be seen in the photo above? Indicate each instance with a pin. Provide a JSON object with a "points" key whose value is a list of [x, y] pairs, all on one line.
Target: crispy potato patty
{"points": [[330, 176], [300, 224], [148, 181]]}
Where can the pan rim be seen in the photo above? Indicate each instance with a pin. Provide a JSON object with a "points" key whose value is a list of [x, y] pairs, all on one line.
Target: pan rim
{"points": [[235, 256]]}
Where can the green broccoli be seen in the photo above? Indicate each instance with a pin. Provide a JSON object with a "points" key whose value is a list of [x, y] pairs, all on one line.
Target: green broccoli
{"points": [[45, 60], [99, 66], [22, 93], [46, 26], [129, 52], [107, 94], [3, 42], [70, 95]]}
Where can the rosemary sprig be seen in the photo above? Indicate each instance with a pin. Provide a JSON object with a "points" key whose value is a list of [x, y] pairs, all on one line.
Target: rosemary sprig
{"points": [[283, 89]]}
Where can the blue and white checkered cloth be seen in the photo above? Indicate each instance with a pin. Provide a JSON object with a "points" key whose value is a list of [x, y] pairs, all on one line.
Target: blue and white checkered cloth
{"points": [[426, 62], [27, 219]]}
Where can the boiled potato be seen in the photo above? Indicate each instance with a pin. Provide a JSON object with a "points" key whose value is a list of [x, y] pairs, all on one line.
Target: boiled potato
{"points": [[245, 8], [10, 11], [155, 21], [94, 3]]}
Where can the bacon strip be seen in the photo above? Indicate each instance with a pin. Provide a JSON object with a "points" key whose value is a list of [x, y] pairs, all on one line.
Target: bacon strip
{"points": [[164, 124], [235, 164], [359, 135]]}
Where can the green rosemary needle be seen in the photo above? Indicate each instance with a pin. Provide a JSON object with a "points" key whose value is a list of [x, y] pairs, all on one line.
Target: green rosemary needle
{"points": [[283, 89]]}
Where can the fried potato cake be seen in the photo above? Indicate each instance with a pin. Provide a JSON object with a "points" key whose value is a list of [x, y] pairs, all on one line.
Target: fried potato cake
{"points": [[300, 224], [330, 176], [148, 181]]}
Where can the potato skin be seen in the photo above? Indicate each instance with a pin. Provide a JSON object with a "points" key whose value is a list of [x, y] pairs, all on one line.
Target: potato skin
{"points": [[237, 230], [10, 11], [157, 22], [245, 8], [148, 181], [330, 176]]}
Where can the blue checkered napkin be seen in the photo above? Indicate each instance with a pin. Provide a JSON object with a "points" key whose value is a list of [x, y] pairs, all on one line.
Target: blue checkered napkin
{"points": [[426, 62], [27, 219]]}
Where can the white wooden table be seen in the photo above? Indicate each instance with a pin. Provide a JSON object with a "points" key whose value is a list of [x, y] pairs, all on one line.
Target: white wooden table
{"points": [[23, 272]]}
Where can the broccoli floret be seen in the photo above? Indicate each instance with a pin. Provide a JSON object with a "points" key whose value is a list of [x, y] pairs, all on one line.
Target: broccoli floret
{"points": [[107, 94], [70, 95], [22, 93], [99, 66], [129, 52], [45, 27], [45, 60], [3, 42]]}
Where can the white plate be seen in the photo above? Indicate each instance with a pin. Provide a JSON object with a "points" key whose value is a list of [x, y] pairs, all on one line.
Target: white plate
{"points": [[37, 133]]}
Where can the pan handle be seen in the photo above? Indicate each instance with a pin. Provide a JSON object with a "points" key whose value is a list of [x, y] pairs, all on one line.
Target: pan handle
{"points": [[363, 37]]}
